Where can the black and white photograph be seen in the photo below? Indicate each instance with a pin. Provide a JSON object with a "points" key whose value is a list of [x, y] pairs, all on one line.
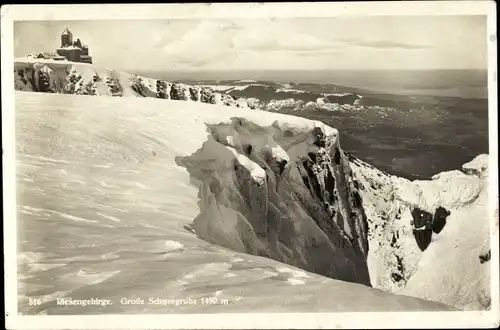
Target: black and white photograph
{"points": [[223, 160]]}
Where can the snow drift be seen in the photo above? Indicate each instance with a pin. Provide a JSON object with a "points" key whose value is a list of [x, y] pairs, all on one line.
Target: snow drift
{"points": [[104, 208]]}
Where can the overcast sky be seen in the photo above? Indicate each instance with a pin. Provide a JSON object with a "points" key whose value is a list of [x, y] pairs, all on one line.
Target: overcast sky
{"points": [[390, 42]]}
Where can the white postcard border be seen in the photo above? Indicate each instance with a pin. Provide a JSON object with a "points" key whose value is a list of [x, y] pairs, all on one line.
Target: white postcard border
{"points": [[11, 13]]}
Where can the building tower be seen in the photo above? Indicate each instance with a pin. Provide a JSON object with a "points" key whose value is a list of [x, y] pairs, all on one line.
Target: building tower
{"points": [[73, 51], [66, 38]]}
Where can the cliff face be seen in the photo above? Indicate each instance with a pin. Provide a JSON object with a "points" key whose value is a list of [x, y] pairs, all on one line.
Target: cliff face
{"points": [[75, 78], [427, 237], [281, 192]]}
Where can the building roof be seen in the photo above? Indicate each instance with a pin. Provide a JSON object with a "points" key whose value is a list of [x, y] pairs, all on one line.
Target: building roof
{"points": [[70, 47], [66, 32]]}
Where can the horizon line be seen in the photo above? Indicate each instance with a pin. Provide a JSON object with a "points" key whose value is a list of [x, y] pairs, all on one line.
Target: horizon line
{"points": [[276, 70]]}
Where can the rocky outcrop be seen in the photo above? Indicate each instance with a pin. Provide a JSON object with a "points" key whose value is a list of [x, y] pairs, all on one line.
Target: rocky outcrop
{"points": [[42, 78], [485, 257], [477, 166], [229, 100], [207, 95], [421, 218], [114, 88], [443, 221], [425, 224], [72, 78], [194, 93], [137, 84], [178, 92], [162, 89], [423, 237], [290, 195], [439, 220]]}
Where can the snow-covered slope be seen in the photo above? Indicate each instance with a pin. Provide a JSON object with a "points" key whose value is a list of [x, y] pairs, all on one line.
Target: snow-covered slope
{"points": [[49, 76], [438, 260], [108, 189]]}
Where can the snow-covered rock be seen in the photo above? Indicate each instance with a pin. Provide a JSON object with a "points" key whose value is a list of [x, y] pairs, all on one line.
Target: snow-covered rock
{"points": [[476, 166], [49, 76], [321, 103], [438, 258], [284, 192]]}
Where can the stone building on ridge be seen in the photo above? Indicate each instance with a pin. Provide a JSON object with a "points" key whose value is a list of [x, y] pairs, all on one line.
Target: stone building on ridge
{"points": [[73, 51]]}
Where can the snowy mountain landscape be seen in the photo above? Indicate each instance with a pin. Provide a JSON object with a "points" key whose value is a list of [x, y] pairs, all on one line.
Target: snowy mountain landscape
{"points": [[137, 187], [249, 166]]}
